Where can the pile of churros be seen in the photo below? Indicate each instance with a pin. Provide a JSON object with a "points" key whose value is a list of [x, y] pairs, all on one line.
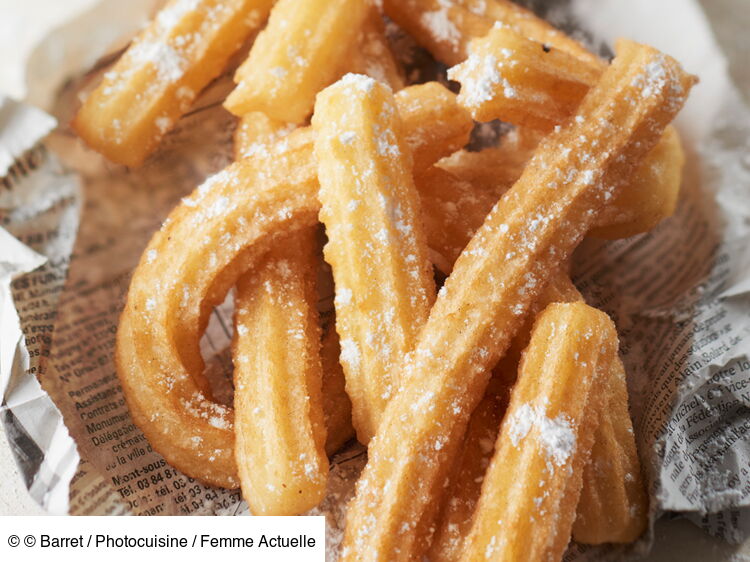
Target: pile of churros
{"points": [[495, 409]]}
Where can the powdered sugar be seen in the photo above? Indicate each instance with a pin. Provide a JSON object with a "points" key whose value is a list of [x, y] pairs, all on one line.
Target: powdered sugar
{"points": [[556, 436]]}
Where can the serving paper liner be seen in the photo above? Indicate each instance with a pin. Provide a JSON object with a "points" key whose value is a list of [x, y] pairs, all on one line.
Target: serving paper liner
{"points": [[680, 295]]}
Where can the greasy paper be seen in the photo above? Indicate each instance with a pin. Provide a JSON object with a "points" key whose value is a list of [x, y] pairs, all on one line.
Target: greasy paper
{"points": [[680, 295]]}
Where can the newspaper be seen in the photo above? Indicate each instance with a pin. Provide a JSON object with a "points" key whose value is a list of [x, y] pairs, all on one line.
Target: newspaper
{"points": [[680, 295]]}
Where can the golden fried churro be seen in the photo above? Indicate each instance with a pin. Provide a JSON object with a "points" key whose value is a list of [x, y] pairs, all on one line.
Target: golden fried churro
{"points": [[167, 65], [279, 427], [530, 232], [530, 492], [530, 25], [513, 78], [652, 193], [613, 506], [435, 124], [373, 56], [337, 407], [443, 27], [235, 214], [257, 133], [466, 478], [376, 248], [467, 474], [295, 56]]}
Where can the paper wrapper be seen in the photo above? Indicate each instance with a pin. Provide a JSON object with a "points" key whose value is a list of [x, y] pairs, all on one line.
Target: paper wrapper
{"points": [[680, 295]]}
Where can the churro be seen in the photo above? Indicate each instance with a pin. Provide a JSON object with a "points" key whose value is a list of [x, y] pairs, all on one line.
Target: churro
{"points": [[337, 407], [462, 492], [443, 27], [515, 79], [188, 44], [613, 506], [510, 77], [373, 56], [295, 56], [529, 233], [446, 27], [279, 427], [529, 494], [376, 248]]}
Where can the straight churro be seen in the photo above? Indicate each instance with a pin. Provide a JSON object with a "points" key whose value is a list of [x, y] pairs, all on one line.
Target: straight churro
{"points": [[278, 406], [373, 56], [613, 506], [377, 251], [443, 27], [529, 233], [464, 486], [295, 56], [337, 407], [529, 495], [187, 45]]}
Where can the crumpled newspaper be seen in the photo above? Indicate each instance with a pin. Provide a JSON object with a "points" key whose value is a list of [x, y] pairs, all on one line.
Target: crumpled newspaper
{"points": [[680, 295]]}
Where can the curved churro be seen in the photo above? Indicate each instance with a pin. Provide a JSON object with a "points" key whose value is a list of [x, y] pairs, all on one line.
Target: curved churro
{"points": [[376, 247], [185, 271], [513, 78], [186, 46], [279, 427], [530, 232]]}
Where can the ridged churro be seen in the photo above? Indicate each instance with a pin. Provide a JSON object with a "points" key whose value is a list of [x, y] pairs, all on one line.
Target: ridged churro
{"points": [[443, 27], [278, 408], [373, 56], [613, 506], [337, 407], [446, 27], [529, 495], [187, 45], [376, 247], [529, 233], [518, 80], [462, 491], [512, 78], [295, 56]]}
